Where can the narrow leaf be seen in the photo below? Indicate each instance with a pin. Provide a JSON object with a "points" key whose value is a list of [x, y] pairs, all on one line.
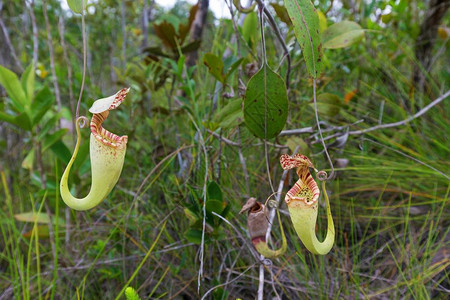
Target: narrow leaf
{"points": [[28, 82], [183, 29], [41, 104], [282, 13], [250, 29], [8, 118], [11, 83], [307, 31], [33, 217], [61, 151], [230, 115], [51, 139]]}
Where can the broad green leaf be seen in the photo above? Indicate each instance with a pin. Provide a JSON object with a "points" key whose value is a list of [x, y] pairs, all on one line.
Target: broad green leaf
{"points": [[265, 104], [214, 206], [307, 31], [28, 82], [342, 34], [230, 115], [49, 124], [51, 139], [61, 151], [13, 88], [41, 104], [8, 118], [77, 5], [195, 236], [327, 104], [282, 13], [215, 65], [214, 191], [27, 163], [23, 121]]}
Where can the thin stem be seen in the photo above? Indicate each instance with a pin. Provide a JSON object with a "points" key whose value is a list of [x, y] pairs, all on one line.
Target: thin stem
{"points": [[35, 34], [264, 66], [408, 156], [9, 44], [124, 35], [226, 283], [320, 131], [67, 61], [202, 245], [403, 122], [52, 56], [275, 28], [83, 32], [261, 281], [243, 163], [278, 198]]}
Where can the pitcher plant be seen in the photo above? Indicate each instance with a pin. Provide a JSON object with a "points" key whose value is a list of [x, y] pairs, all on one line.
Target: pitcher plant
{"points": [[107, 153], [258, 222], [302, 201]]}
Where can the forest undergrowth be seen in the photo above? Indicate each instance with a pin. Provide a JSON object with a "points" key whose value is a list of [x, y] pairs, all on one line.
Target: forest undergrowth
{"points": [[171, 227]]}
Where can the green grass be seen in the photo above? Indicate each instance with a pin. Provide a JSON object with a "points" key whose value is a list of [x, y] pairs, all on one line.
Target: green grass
{"points": [[391, 228]]}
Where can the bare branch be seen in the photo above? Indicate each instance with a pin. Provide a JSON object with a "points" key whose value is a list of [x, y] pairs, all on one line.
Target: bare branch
{"points": [[362, 131], [296, 131], [35, 33], [274, 26], [52, 55], [409, 119], [67, 61], [9, 44]]}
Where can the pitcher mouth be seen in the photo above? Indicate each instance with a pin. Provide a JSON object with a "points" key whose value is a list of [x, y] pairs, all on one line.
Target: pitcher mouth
{"points": [[305, 190], [103, 135], [100, 110]]}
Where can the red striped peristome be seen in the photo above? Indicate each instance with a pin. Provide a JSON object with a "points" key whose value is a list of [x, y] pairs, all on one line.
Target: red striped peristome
{"points": [[104, 136], [120, 96], [298, 193], [295, 161]]}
